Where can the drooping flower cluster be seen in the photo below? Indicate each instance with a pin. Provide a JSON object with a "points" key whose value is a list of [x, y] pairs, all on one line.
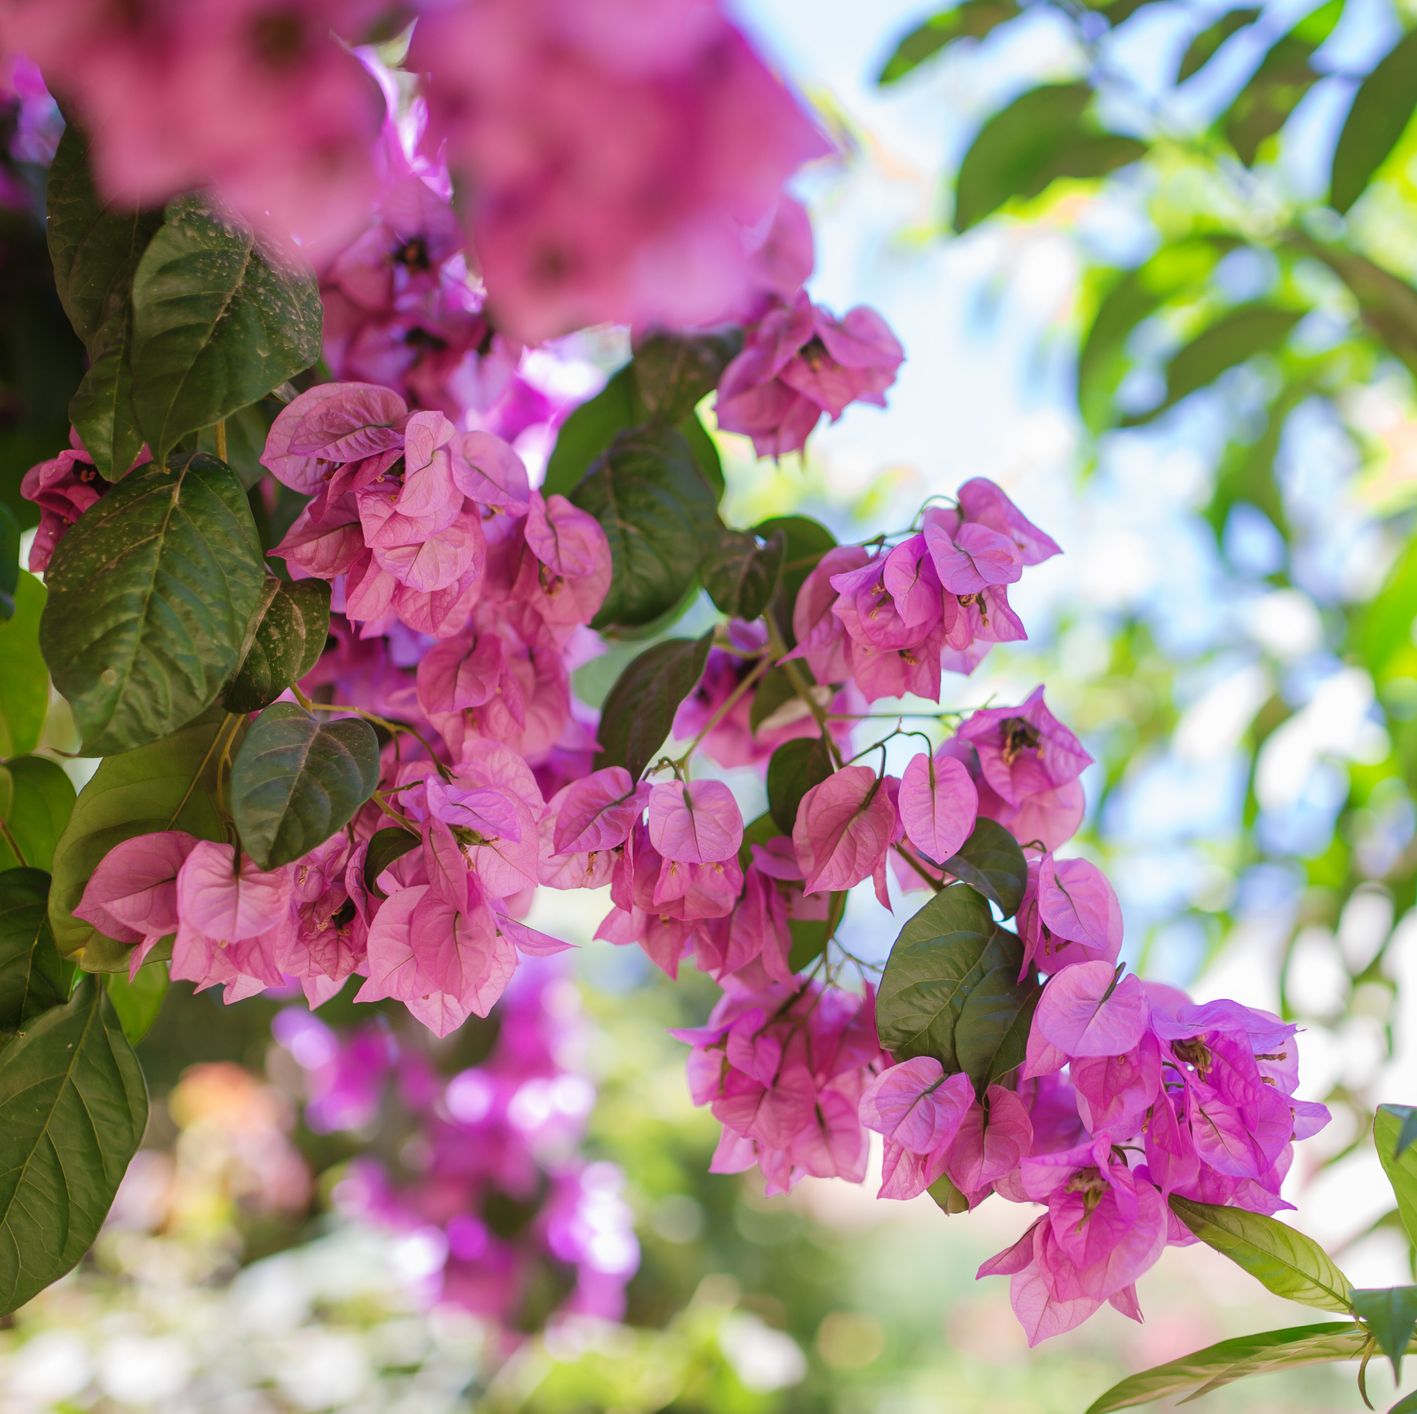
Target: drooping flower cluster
{"points": [[489, 1178], [63, 488]]}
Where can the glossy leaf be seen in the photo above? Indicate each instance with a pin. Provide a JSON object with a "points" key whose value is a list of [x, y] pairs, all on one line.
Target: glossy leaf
{"points": [[796, 766], [1207, 43], [638, 713], [1043, 135], [1229, 1360], [24, 681], [72, 1111], [33, 977], [974, 19], [1390, 1312], [296, 780], [673, 372], [385, 846], [216, 325], [656, 510], [948, 955], [1394, 1133], [740, 574], [167, 785], [286, 638], [1381, 111], [1279, 1258], [36, 801], [137, 1000], [1281, 79], [991, 861], [150, 595]]}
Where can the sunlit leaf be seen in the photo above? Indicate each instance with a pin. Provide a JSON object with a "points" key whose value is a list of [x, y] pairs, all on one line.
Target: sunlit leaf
{"points": [[1381, 111]]}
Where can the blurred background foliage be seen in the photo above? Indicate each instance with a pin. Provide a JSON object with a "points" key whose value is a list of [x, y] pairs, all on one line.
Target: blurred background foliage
{"points": [[1153, 263]]}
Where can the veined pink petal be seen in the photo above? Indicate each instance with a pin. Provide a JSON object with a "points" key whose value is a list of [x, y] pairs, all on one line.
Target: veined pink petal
{"points": [[134, 888], [598, 811], [695, 823], [328, 425], [1085, 1011], [844, 827], [228, 903], [938, 805]]}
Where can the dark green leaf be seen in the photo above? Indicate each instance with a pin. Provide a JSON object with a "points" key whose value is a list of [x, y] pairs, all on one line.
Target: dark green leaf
{"points": [[948, 952], [296, 780], [95, 245], [1217, 1365], [656, 509], [1406, 1405], [805, 542], [9, 561], [991, 861], [167, 785], [1235, 336], [1203, 48], [587, 433], [24, 680], [138, 1000], [1043, 135], [673, 372], [639, 711], [385, 846], [1279, 1258], [285, 640], [1283, 77], [1381, 110], [36, 801], [796, 766], [216, 325], [1393, 1129], [741, 575], [1390, 1312], [150, 595], [974, 19], [72, 1111], [33, 977]]}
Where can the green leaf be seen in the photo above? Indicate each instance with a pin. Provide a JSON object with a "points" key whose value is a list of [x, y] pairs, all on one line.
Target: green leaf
{"points": [[150, 595], [167, 785], [1279, 1258], [673, 372], [974, 19], [95, 247], [137, 1001], [1394, 1128], [1390, 1312], [948, 1199], [1406, 1405], [1282, 78], [991, 861], [1217, 1365], [1203, 48], [1043, 135], [24, 683], [287, 635], [796, 766], [72, 1111], [216, 325], [656, 509], [33, 977], [9, 562], [951, 989], [1381, 111], [36, 801], [1232, 338], [805, 541], [385, 846], [587, 433], [296, 780], [740, 574], [639, 711]]}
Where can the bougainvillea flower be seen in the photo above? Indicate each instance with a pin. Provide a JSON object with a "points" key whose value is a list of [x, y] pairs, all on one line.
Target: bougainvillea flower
{"points": [[695, 823], [844, 827], [938, 805]]}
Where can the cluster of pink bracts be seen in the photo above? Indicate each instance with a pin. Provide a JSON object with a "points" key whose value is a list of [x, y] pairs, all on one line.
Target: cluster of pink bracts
{"points": [[626, 162]]}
